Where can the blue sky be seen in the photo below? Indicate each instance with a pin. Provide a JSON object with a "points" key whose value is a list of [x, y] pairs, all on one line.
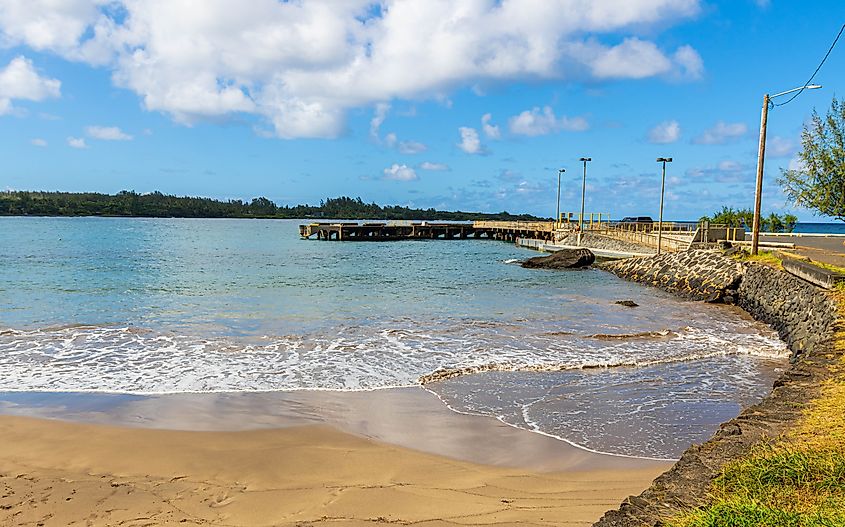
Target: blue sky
{"points": [[299, 101]]}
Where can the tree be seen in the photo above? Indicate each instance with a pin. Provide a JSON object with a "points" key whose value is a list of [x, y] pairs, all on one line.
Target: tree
{"points": [[820, 182]]}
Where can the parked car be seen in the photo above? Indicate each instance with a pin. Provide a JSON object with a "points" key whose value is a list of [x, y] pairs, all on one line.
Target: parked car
{"points": [[636, 222]]}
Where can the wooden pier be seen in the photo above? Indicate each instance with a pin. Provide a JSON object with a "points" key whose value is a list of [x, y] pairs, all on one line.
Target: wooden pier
{"points": [[425, 230]]}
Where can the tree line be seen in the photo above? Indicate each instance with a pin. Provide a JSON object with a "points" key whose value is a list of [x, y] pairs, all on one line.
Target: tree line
{"points": [[158, 205], [745, 218]]}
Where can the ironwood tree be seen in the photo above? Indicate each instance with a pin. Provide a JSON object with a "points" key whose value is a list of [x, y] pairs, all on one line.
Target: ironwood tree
{"points": [[819, 183]]}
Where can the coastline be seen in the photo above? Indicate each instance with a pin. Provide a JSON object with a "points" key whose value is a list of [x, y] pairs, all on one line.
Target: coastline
{"points": [[481, 472], [413, 418], [809, 320]]}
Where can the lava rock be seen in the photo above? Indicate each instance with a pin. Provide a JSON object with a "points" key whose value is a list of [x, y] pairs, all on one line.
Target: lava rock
{"points": [[562, 259], [627, 303]]}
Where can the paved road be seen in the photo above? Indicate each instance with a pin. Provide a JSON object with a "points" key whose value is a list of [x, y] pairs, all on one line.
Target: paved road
{"points": [[830, 250]]}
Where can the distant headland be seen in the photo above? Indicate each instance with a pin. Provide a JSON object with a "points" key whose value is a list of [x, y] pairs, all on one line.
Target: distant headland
{"points": [[158, 205]]}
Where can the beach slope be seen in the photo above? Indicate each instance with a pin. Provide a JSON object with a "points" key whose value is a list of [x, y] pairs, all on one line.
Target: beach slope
{"points": [[59, 473]]}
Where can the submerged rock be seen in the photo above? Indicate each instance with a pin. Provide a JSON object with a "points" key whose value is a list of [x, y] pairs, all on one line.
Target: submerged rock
{"points": [[562, 259], [627, 303]]}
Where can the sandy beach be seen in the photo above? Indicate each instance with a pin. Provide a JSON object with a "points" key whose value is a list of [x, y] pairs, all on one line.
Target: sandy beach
{"points": [[482, 472]]}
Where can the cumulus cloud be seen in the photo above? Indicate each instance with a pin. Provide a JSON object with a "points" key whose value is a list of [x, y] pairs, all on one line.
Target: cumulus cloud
{"points": [[77, 142], [722, 133], [780, 147], [470, 142], [20, 80], [379, 116], [398, 172], [303, 65], [690, 63], [665, 132], [107, 133], [412, 147], [490, 130], [435, 167], [38, 142], [536, 122]]}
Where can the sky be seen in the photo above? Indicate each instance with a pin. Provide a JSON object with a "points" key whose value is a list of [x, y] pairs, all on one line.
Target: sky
{"points": [[457, 105]]}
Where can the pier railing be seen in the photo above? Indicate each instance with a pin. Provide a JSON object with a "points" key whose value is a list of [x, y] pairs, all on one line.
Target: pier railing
{"points": [[540, 226]]}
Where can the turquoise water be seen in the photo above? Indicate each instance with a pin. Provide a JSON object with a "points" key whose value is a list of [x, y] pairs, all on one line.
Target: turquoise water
{"points": [[144, 306]]}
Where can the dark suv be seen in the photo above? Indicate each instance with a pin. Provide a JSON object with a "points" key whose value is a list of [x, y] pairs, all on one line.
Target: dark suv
{"points": [[632, 222]]}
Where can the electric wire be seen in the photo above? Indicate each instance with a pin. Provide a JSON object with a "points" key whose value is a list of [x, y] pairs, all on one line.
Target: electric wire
{"points": [[804, 87]]}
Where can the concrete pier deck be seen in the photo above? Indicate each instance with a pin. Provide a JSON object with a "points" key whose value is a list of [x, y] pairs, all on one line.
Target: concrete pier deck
{"points": [[426, 230]]}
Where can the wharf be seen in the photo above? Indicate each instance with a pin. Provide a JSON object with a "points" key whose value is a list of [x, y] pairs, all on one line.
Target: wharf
{"points": [[426, 230]]}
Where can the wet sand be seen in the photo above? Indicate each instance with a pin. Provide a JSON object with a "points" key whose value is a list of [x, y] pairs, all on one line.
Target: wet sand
{"points": [[408, 417], [388, 456]]}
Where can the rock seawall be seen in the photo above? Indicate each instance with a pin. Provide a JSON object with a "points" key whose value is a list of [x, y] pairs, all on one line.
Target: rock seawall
{"points": [[803, 315], [806, 318], [598, 241], [700, 275]]}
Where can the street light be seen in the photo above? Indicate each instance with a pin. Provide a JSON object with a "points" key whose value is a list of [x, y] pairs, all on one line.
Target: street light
{"points": [[557, 217], [663, 160], [761, 155], [583, 191]]}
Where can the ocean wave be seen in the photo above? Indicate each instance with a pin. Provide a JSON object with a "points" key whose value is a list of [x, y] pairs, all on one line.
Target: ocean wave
{"points": [[443, 374], [137, 360]]}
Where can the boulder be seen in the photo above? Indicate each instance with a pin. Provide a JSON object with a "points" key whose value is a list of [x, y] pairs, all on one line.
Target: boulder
{"points": [[562, 259], [627, 303]]}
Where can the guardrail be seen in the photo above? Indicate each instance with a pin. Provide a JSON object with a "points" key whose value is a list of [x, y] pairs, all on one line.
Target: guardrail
{"points": [[542, 226]]}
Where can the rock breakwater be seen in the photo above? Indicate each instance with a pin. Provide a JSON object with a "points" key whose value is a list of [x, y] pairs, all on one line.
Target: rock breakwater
{"points": [[699, 274], [805, 317], [599, 241]]}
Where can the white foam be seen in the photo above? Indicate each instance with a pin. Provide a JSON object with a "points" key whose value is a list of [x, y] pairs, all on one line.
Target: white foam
{"points": [[140, 361]]}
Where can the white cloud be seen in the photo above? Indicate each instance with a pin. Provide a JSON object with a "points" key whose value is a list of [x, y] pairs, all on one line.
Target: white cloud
{"points": [[411, 147], [796, 163], [780, 147], [665, 132], [398, 172], [427, 165], [379, 116], [20, 80], [302, 65], [390, 140], [535, 122], [632, 59], [77, 142], [722, 133], [490, 130], [470, 143], [107, 133], [690, 63], [38, 142]]}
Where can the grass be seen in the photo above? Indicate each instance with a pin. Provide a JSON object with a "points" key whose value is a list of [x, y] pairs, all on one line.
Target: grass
{"points": [[795, 481], [777, 485], [769, 258], [829, 267]]}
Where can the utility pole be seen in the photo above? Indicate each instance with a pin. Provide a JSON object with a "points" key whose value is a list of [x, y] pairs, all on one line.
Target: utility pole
{"points": [[557, 211], [583, 193], [761, 157], [663, 160]]}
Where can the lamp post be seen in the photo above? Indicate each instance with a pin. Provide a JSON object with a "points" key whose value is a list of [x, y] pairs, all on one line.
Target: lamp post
{"points": [[663, 160], [761, 155], [583, 192], [557, 215]]}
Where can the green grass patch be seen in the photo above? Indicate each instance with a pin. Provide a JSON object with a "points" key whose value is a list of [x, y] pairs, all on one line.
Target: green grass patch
{"points": [[769, 258], [776, 485]]}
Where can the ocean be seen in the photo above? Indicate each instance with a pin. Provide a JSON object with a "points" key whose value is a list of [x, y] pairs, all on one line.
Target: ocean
{"points": [[165, 306]]}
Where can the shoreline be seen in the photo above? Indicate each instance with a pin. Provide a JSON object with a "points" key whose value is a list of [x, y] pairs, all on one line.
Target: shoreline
{"points": [[414, 418], [57, 473]]}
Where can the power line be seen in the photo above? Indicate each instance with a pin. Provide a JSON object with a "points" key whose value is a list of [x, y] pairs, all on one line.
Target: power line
{"points": [[799, 92]]}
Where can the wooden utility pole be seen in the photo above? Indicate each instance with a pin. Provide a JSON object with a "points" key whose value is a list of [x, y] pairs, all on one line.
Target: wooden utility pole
{"points": [[761, 155]]}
